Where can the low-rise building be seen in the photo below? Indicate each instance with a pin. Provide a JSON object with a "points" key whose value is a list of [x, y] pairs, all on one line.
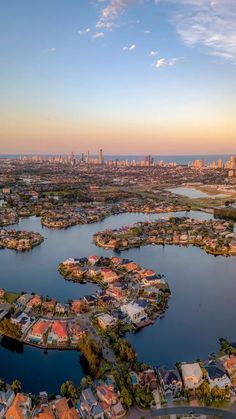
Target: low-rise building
{"points": [[148, 380], [7, 397], [170, 381], [75, 332], [35, 301], [88, 405], [38, 332], [23, 320], [134, 312], [93, 259], [106, 321], [64, 409], [217, 375], [20, 408], [108, 275], [58, 333], [192, 375]]}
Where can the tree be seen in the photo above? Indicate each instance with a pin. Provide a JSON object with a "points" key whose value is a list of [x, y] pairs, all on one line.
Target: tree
{"points": [[125, 398], [124, 350], [16, 386], [68, 389], [92, 352], [204, 392], [10, 329], [3, 385]]}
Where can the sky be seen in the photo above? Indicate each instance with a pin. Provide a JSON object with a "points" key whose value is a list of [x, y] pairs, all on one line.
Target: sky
{"points": [[127, 76]]}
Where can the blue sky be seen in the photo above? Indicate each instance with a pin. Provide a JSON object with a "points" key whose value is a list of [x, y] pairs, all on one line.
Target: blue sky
{"points": [[119, 74]]}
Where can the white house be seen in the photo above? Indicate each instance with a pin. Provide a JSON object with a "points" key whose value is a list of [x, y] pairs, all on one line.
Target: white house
{"points": [[192, 375], [134, 312]]}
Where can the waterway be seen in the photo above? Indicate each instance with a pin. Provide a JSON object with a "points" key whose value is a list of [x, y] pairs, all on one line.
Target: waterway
{"points": [[201, 309], [194, 193]]}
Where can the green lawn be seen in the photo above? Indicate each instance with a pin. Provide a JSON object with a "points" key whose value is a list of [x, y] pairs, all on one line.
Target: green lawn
{"points": [[11, 297]]}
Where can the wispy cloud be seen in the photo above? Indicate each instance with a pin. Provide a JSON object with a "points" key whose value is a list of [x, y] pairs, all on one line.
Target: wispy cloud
{"points": [[110, 13], [84, 31], [153, 53], [210, 24], [49, 50], [98, 35], [163, 62], [130, 48]]}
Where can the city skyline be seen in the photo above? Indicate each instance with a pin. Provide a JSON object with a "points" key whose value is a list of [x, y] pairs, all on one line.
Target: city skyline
{"points": [[131, 77]]}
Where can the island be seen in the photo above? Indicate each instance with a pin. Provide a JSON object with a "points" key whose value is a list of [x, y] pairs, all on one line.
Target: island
{"points": [[214, 236], [19, 240]]}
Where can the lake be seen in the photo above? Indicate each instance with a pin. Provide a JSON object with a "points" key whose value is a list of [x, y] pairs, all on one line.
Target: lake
{"points": [[201, 308], [194, 193]]}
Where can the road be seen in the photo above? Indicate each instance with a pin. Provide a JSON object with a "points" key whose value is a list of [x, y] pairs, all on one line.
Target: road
{"points": [[194, 410]]}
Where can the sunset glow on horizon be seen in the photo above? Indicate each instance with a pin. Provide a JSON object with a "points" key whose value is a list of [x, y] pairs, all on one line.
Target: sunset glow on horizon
{"points": [[131, 77]]}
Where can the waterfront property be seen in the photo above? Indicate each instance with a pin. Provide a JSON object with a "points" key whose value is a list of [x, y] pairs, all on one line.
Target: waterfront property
{"points": [[122, 283], [168, 261], [217, 375], [215, 237], [19, 240], [192, 375], [170, 381]]}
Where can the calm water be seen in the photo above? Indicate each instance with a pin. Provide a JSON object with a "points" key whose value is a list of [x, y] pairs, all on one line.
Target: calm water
{"points": [[36, 370], [201, 309], [194, 193]]}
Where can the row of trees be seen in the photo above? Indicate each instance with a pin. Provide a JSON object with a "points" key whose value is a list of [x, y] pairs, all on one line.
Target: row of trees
{"points": [[92, 352], [206, 394]]}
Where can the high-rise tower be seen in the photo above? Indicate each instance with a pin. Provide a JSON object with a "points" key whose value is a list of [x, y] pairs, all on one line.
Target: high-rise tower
{"points": [[100, 160]]}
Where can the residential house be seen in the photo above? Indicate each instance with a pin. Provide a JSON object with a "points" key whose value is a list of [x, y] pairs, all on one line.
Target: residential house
{"points": [[38, 332], [170, 381], [106, 321], [77, 306], [20, 408], [132, 267], [217, 375], [109, 275], [107, 394], [94, 271], [58, 332], [109, 400], [23, 300], [134, 312], [116, 261], [64, 409], [76, 332], [35, 301], [23, 320], [148, 380], [7, 397], [88, 405], [116, 292], [192, 375], [230, 366], [49, 305], [61, 308], [93, 259]]}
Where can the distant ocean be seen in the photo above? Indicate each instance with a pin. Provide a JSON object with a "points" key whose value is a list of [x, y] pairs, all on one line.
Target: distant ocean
{"points": [[185, 159]]}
